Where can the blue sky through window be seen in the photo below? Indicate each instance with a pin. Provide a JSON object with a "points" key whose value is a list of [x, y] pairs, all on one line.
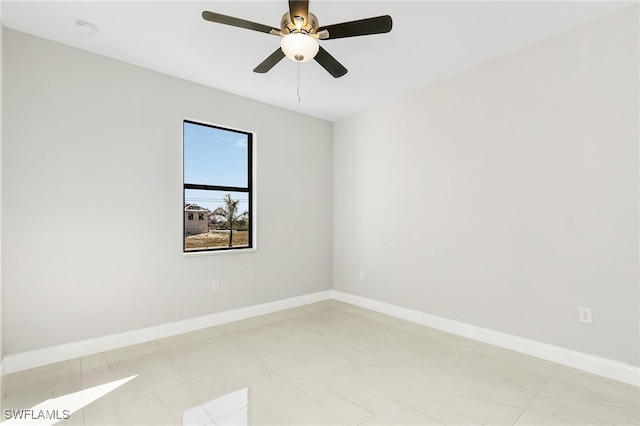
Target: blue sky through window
{"points": [[215, 157]]}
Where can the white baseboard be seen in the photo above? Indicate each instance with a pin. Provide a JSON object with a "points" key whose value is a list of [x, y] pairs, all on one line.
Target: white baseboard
{"points": [[40, 357], [592, 364], [603, 367]]}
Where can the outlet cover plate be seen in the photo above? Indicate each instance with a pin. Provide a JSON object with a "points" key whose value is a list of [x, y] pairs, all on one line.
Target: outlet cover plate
{"points": [[584, 315]]}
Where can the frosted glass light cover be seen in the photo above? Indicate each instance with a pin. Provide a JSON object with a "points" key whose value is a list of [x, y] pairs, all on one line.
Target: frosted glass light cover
{"points": [[299, 47]]}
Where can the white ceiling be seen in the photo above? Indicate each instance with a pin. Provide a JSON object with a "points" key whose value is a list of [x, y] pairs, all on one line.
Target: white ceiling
{"points": [[429, 41]]}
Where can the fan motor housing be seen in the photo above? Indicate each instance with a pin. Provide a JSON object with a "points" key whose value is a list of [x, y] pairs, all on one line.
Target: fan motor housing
{"points": [[310, 27]]}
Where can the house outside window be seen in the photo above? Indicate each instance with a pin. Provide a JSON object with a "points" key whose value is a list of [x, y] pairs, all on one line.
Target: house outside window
{"points": [[217, 188]]}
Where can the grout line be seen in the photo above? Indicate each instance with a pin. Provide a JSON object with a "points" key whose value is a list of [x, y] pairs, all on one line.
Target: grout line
{"points": [[185, 381], [537, 393], [338, 395], [432, 376]]}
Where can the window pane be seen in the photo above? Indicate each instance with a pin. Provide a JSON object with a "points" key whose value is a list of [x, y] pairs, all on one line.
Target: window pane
{"points": [[223, 223], [215, 156]]}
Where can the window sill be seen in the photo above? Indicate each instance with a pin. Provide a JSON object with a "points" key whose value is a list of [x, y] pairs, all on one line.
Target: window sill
{"points": [[218, 252]]}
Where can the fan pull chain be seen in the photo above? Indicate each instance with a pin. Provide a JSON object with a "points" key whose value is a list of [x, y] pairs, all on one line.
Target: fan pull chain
{"points": [[298, 82]]}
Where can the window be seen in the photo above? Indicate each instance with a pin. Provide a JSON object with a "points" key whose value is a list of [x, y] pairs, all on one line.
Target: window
{"points": [[217, 186]]}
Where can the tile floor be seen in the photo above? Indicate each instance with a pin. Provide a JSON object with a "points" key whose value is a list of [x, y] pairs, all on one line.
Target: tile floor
{"points": [[327, 363]]}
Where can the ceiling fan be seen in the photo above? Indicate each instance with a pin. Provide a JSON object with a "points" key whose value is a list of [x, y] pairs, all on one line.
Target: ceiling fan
{"points": [[300, 33]]}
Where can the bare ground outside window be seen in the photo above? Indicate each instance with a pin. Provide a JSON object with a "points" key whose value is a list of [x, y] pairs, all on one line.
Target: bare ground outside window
{"points": [[216, 239]]}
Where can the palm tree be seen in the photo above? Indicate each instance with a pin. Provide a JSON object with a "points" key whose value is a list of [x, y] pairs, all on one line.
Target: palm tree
{"points": [[230, 213]]}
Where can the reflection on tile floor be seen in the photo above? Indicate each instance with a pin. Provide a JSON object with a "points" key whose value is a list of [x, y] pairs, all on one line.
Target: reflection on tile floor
{"points": [[328, 363]]}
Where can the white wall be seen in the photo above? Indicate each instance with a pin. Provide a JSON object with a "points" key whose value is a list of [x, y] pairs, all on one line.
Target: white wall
{"points": [[1, 257], [90, 145], [506, 196]]}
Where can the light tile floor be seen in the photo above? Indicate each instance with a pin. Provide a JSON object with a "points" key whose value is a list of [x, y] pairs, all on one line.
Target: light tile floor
{"points": [[326, 363]]}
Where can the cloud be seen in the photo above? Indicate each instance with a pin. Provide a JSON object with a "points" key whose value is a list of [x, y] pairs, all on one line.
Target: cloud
{"points": [[241, 143]]}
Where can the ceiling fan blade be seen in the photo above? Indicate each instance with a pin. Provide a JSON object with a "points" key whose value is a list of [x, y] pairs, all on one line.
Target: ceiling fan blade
{"points": [[330, 63], [270, 62], [237, 22], [377, 25], [299, 8]]}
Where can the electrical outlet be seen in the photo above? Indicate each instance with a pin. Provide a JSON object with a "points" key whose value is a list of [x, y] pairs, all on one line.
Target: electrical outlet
{"points": [[584, 315], [215, 288], [362, 275]]}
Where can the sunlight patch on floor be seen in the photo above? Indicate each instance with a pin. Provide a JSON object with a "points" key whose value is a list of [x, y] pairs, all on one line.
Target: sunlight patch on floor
{"points": [[53, 410]]}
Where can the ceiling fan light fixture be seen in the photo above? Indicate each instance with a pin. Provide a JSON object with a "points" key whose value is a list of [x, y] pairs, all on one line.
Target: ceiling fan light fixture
{"points": [[299, 47]]}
